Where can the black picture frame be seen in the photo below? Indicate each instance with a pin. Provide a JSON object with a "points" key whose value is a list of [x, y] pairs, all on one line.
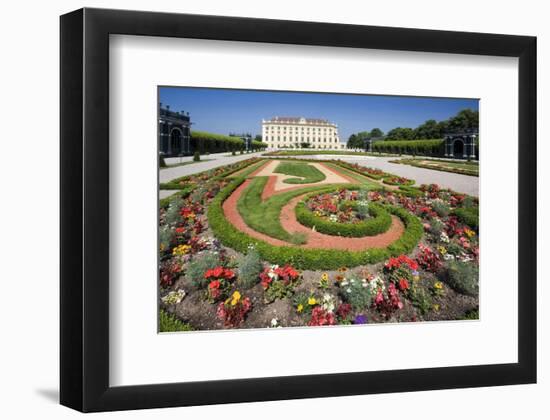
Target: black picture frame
{"points": [[84, 297]]}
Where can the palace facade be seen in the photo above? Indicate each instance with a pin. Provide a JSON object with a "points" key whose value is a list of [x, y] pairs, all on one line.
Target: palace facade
{"points": [[300, 133]]}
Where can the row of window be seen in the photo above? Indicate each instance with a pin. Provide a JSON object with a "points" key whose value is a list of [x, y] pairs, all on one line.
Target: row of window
{"points": [[290, 138], [286, 146], [301, 128]]}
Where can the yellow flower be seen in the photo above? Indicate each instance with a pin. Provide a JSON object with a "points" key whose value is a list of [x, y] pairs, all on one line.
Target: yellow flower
{"points": [[324, 277], [438, 285], [236, 297], [436, 307], [300, 308], [469, 232], [442, 250], [181, 250], [311, 301]]}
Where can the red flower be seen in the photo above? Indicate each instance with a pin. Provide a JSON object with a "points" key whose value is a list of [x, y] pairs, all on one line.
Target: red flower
{"points": [[180, 230], [403, 284]]}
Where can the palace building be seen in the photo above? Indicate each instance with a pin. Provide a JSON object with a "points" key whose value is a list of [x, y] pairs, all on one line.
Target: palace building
{"points": [[300, 133]]}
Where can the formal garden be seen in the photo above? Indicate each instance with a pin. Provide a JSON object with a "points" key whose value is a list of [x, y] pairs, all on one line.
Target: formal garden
{"points": [[267, 243]]}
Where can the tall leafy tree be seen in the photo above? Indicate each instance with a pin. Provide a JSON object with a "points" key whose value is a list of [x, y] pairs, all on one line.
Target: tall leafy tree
{"points": [[376, 132]]}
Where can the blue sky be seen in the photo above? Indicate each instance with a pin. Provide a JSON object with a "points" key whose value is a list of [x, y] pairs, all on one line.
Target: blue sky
{"points": [[226, 110]]}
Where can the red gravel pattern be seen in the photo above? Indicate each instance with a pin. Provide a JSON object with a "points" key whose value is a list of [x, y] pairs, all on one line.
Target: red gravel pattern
{"points": [[320, 240], [315, 239]]}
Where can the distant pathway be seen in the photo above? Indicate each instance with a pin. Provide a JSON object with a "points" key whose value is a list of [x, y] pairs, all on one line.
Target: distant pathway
{"points": [[220, 159], [457, 182]]}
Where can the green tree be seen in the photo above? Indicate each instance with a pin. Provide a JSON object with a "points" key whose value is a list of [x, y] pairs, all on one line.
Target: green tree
{"points": [[466, 119], [428, 130], [376, 132]]}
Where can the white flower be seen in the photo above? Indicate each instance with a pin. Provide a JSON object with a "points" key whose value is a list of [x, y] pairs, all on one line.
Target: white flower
{"points": [[449, 257], [274, 322], [173, 297], [444, 237]]}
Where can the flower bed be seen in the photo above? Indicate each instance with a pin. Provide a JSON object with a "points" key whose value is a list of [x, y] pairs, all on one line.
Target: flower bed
{"points": [[213, 275], [345, 212]]}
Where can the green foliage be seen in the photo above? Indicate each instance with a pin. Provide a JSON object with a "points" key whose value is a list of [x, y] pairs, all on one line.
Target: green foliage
{"points": [[400, 133], [416, 147], [471, 314], [441, 208], [468, 216], [250, 266], [463, 277], [380, 222], [263, 216], [356, 294], [436, 227], [420, 299], [198, 266], [308, 174], [169, 323], [196, 156], [278, 290], [204, 142], [316, 259]]}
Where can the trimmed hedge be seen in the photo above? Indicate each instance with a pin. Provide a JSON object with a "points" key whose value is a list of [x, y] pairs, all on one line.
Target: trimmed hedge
{"points": [[205, 142], [468, 216], [315, 259], [202, 142], [410, 147], [380, 222]]}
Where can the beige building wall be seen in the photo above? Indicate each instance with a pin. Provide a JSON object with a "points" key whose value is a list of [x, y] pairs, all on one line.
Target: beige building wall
{"points": [[290, 132]]}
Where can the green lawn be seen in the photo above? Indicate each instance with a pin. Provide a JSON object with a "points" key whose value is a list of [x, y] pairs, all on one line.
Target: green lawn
{"points": [[263, 216], [307, 173]]}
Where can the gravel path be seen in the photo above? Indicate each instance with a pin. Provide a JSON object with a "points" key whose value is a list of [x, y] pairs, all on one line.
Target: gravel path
{"points": [[460, 183], [219, 159]]}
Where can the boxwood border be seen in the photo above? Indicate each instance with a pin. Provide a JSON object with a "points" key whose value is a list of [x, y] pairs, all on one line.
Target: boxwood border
{"points": [[380, 222], [313, 259]]}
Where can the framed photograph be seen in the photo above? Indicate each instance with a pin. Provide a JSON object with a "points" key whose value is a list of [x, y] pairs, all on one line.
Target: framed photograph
{"points": [[257, 210]]}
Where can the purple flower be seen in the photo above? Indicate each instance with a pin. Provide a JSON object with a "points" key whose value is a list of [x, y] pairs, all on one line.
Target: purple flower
{"points": [[360, 319]]}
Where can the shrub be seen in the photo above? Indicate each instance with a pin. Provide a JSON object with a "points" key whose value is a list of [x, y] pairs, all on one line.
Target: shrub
{"points": [[436, 226], [441, 208], [359, 293], [380, 222], [468, 216], [250, 267], [420, 299], [169, 323], [463, 277], [199, 265], [196, 156]]}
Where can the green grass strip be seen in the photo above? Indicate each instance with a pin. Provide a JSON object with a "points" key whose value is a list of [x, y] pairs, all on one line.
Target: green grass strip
{"points": [[308, 174], [264, 216], [304, 259]]}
